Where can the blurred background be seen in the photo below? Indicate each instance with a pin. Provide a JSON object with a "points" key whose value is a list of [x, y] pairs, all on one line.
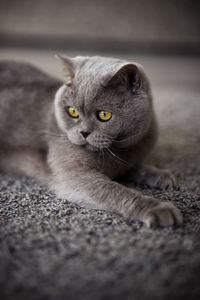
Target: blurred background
{"points": [[145, 26], [164, 36]]}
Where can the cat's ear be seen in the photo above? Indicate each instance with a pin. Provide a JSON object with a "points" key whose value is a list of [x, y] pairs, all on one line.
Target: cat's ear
{"points": [[128, 77], [68, 68]]}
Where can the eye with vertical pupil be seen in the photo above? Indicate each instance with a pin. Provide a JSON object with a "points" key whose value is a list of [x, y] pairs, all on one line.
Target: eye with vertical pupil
{"points": [[104, 116], [72, 112]]}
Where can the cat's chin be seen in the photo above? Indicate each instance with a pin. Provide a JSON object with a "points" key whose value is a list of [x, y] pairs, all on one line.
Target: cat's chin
{"points": [[91, 147], [86, 146]]}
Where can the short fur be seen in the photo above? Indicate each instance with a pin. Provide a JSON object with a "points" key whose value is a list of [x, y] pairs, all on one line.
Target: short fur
{"points": [[81, 158]]}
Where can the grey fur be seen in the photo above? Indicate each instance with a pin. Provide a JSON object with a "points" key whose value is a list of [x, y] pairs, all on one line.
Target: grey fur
{"points": [[38, 138]]}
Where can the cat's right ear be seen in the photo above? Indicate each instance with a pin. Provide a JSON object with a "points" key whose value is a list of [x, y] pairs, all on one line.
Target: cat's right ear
{"points": [[128, 77], [68, 68]]}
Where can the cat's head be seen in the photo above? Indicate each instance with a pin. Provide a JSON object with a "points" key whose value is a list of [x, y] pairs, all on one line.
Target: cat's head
{"points": [[104, 101]]}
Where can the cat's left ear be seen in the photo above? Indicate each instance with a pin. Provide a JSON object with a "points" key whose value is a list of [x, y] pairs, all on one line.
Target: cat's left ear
{"points": [[68, 68], [128, 76]]}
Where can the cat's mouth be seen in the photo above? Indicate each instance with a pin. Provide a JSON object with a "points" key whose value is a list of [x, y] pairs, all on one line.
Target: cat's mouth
{"points": [[98, 142], [91, 147], [91, 142], [95, 147]]}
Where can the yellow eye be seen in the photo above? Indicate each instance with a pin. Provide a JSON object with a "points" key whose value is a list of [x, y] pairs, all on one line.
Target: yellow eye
{"points": [[104, 115], [73, 112]]}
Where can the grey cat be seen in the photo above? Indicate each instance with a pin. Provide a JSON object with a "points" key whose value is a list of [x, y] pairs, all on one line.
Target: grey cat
{"points": [[78, 137]]}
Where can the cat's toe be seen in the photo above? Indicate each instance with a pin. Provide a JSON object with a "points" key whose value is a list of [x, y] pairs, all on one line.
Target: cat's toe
{"points": [[168, 181], [162, 180], [163, 215]]}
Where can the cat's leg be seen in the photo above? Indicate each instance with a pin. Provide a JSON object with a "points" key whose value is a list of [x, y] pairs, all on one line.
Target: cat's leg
{"points": [[91, 188], [152, 177], [26, 162]]}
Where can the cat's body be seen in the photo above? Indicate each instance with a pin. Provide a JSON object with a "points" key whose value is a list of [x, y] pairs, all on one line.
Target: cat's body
{"points": [[99, 126]]}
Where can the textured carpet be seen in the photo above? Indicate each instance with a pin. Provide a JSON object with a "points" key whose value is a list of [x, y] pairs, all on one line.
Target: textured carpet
{"points": [[52, 249]]}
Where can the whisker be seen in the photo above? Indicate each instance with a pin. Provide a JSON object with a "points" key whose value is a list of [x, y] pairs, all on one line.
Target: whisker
{"points": [[109, 154], [99, 157], [118, 149], [108, 136], [115, 157], [122, 140], [116, 141], [102, 151]]}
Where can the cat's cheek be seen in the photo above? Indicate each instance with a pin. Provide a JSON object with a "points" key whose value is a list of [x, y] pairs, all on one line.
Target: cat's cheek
{"points": [[99, 141]]}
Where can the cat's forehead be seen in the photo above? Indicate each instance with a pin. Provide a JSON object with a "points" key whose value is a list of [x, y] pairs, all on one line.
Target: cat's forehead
{"points": [[90, 83], [97, 68], [97, 62], [92, 75]]}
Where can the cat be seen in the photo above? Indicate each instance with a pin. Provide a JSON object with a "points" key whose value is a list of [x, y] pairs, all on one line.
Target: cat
{"points": [[79, 136]]}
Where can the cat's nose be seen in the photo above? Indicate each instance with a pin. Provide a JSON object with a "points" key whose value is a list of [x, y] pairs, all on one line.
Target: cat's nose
{"points": [[85, 134]]}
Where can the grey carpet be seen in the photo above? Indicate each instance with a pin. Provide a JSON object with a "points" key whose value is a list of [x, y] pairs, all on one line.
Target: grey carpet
{"points": [[52, 249]]}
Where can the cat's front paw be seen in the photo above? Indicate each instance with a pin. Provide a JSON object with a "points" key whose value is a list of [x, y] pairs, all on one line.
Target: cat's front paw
{"points": [[162, 179], [163, 215], [155, 178]]}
